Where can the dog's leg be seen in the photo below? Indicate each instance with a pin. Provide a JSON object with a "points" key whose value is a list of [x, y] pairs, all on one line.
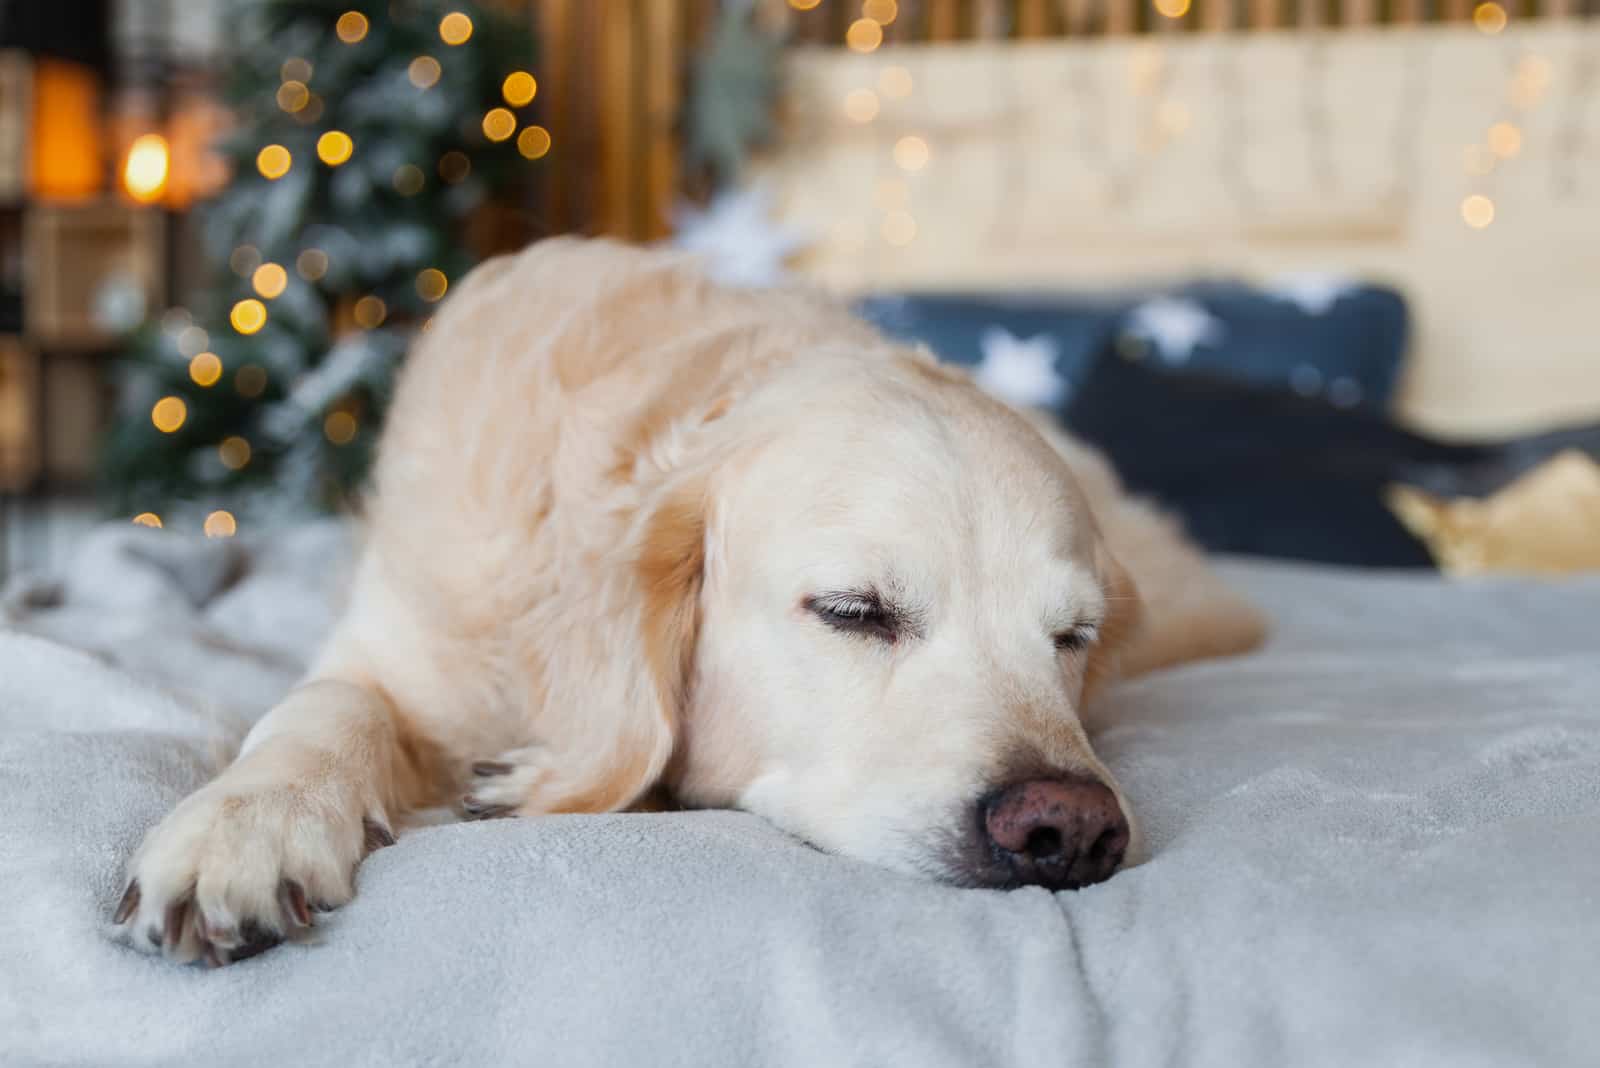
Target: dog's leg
{"points": [[242, 863]]}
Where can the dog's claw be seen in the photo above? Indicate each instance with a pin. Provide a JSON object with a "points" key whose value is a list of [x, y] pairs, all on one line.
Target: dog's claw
{"points": [[129, 903], [376, 834], [292, 899], [173, 921], [482, 810], [487, 768]]}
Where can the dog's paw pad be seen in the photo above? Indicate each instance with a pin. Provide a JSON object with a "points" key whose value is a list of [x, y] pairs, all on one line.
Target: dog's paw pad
{"points": [[500, 787]]}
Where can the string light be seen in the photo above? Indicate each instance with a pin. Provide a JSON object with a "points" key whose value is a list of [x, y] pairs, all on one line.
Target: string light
{"points": [[408, 179], [1172, 9], [499, 124], [234, 452], [273, 162], [312, 264], [269, 280], [431, 284], [250, 381], [1489, 17], [370, 312], [193, 339], [804, 5], [895, 82], [147, 519], [455, 28], [533, 142], [519, 88], [424, 72], [293, 96], [1477, 211], [351, 27], [334, 147], [144, 173], [220, 524], [295, 69], [1504, 139], [168, 414], [911, 153], [339, 427], [205, 369], [861, 105], [882, 12], [248, 316], [244, 260], [311, 112], [864, 35], [455, 166]]}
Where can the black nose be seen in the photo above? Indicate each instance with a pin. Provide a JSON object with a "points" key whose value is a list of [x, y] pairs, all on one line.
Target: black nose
{"points": [[1057, 833]]}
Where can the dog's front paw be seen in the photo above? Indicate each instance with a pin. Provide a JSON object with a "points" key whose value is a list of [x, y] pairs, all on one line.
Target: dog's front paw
{"points": [[505, 785], [232, 872]]}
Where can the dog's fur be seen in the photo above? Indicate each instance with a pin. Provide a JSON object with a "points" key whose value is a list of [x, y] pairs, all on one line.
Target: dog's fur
{"points": [[610, 509]]}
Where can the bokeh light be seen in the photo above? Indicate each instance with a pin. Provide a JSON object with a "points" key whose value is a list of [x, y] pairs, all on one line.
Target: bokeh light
{"points": [[1477, 211], [250, 381], [911, 153], [293, 96], [273, 162], [312, 264], [455, 28], [144, 173], [431, 284], [168, 414], [882, 12], [861, 105], [519, 88], [424, 72], [205, 369], [234, 452], [248, 316], [409, 179], [351, 27], [370, 312], [334, 147], [533, 142], [864, 35], [147, 519], [269, 280], [1489, 17], [454, 167], [339, 427], [499, 124], [220, 524]]}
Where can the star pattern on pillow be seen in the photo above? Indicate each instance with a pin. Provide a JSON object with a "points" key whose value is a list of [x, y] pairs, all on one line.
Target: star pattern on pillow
{"points": [[1175, 326], [1312, 292], [1020, 371]]}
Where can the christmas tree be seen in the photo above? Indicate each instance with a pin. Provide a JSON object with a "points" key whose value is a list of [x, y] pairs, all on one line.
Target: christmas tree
{"points": [[368, 135]]}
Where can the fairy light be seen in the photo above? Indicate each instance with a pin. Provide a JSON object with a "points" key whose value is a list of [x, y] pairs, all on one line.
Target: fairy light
{"points": [[1504, 139], [804, 5], [499, 124], [1172, 9], [244, 259], [351, 27], [861, 105], [533, 142], [882, 12], [220, 524], [269, 280], [339, 427], [1477, 211], [455, 28], [273, 162], [370, 312], [144, 172], [519, 88], [234, 452], [424, 72], [911, 153], [864, 35], [147, 519], [248, 316], [293, 96], [431, 284], [335, 147], [295, 69], [205, 369], [1489, 17], [895, 82], [168, 414], [193, 339], [311, 264]]}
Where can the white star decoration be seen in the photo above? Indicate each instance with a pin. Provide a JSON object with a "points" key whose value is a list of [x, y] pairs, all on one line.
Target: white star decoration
{"points": [[1175, 325], [1314, 293], [737, 237], [1020, 372]]}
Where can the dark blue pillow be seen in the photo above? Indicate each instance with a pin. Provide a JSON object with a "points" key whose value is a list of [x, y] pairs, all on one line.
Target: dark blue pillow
{"points": [[1316, 335]]}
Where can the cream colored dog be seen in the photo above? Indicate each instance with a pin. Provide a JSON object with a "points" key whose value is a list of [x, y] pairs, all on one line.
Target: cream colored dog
{"points": [[631, 531]]}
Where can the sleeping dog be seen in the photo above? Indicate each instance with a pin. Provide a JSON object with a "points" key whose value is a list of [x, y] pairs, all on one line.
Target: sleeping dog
{"points": [[633, 534]]}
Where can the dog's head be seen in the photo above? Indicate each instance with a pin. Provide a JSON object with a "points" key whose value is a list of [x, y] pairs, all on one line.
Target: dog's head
{"points": [[876, 616]]}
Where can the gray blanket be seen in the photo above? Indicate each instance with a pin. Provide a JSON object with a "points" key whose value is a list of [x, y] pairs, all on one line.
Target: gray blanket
{"points": [[1377, 842]]}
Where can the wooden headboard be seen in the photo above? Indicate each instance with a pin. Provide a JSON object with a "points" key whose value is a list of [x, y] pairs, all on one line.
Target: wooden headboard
{"points": [[1463, 166]]}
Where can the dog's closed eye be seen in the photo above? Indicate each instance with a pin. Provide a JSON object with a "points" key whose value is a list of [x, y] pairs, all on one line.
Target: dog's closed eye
{"points": [[1077, 638], [863, 612]]}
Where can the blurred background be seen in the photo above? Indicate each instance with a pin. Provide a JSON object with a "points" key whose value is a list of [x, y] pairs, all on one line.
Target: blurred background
{"points": [[1318, 274]]}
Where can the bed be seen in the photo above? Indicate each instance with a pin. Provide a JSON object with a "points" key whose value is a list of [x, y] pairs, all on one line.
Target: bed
{"points": [[1377, 841]]}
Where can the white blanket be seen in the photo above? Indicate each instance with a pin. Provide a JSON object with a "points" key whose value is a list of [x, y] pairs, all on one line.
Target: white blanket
{"points": [[1377, 842]]}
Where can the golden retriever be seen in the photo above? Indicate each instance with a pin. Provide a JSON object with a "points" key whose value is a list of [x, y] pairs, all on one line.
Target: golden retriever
{"points": [[632, 532]]}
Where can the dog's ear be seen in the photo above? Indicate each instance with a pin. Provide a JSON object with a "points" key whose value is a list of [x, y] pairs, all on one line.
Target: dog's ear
{"points": [[1123, 618]]}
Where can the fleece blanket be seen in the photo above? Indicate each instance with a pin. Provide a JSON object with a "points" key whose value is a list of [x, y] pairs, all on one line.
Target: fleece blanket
{"points": [[1375, 842]]}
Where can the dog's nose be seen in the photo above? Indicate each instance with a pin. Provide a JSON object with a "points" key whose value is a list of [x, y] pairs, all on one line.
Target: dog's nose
{"points": [[1058, 833]]}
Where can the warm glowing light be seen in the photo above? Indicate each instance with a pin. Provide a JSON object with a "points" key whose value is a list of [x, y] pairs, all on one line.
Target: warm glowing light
{"points": [[340, 427], [351, 27], [248, 316], [144, 172], [431, 284], [519, 88], [192, 340], [312, 264], [1505, 139], [293, 95], [334, 147], [370, 312], [244, 260], [1478, 211], [295, 69], [311, 112], [533, 142], [864, 35], [1172, 9], [408, 179], [251, 380], [1489, 17], [269, 280], [882, 12], [424, 72], [804, 5], [499, 124], [455, 166], [455, 28], [147, 519], [273, 162], [205, 369], [895, 82], [899, 228], [861, 105], [220, 524], [234, 453], [169, 413], [911, 153]]}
